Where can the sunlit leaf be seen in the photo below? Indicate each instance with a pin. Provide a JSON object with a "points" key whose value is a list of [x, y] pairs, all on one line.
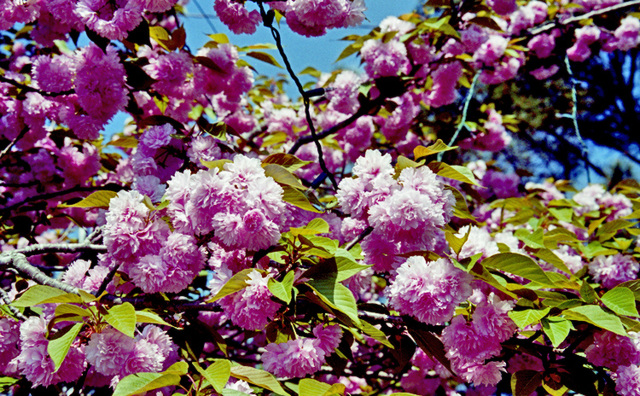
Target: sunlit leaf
{"points": [[123, 318], [621, 301], [58, 346], [98, 199]]}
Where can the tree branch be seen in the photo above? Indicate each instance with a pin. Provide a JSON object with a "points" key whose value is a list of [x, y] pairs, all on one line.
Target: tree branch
{"points": [[32, 89], [268, 22], [578, 18], [19, 261]]}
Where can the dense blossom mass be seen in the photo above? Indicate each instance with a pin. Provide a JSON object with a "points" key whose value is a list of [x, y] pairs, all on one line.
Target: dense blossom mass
{"points": [[234, 237]]}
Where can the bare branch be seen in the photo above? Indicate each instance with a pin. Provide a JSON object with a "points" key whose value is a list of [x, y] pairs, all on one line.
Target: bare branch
{"points": [[19, 261]]}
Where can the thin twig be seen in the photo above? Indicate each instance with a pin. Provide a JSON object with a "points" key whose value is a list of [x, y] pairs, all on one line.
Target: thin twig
{"points": [[360, 237], [32, 89], [574, 116], [54, 194], [578, 18], [159, 304], [268, 22], [13, 142], [7, 300], [465, 110]]}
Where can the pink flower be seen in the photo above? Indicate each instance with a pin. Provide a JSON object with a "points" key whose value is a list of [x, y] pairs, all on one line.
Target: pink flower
{"points": [[445, 80], [628, 381], [294, 358], [613, 351], [627, 33], [112, 20], [157, 136], [34, 361], [491, 50], [491, 318], [54, 74], [542, 45], [327, 338], [503, 7], [252, 307], [9, 337], [100, 82], [237, 18], [428, 291], [610, 271], [109, 350], [384, 59]]}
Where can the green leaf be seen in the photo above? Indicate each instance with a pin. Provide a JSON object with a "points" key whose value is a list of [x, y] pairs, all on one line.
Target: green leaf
{"points": [[336, 295], [634, 286], [135, 384], [532, 239], [297, 198], [146, 316], [525, 382], [587, 293], [346, 264], [123, 318], [263, 56], [311, 387], [438, 147], [455, 172], [59, 345], [125, 142], [596, 316], [404, 163], [218, 374], [282, 290], [610, 228], [6, 382], [557, 329], [562, 214], [551, 258], [375, 333], [258, 377], [282, 176], [288, 161], [219, 38], [528, 316], [41, 294], [315, 226], [518, 264], [237, 282], [216, 164], [349, 50], [621, 301], [98, 199]]}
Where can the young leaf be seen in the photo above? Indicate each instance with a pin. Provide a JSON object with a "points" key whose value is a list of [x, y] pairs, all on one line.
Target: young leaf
{"points": [[528, 316], [137, 383], [455, 172], [518, 264], [218, 374], [263, 56], [123, 318], [41, 294], [237, 282], [311, 387], [525, 382], [258, 377], [596, 316], [282, 290], [58, 347], [297, 198], [557, 329], [98, 199], [438, 147], [282, 176], [336, 295], [146, 316], [621, 301], [288, 161]]}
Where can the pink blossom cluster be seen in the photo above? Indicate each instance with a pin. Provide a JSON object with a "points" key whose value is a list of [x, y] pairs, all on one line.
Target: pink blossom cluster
{"points": [[302, 356], [610, 271], [595, 198], [428, 291], [34, 362], [406, 214], [470, 343], [493, 137], [116, 355], [240, 204], [156, 259]]}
